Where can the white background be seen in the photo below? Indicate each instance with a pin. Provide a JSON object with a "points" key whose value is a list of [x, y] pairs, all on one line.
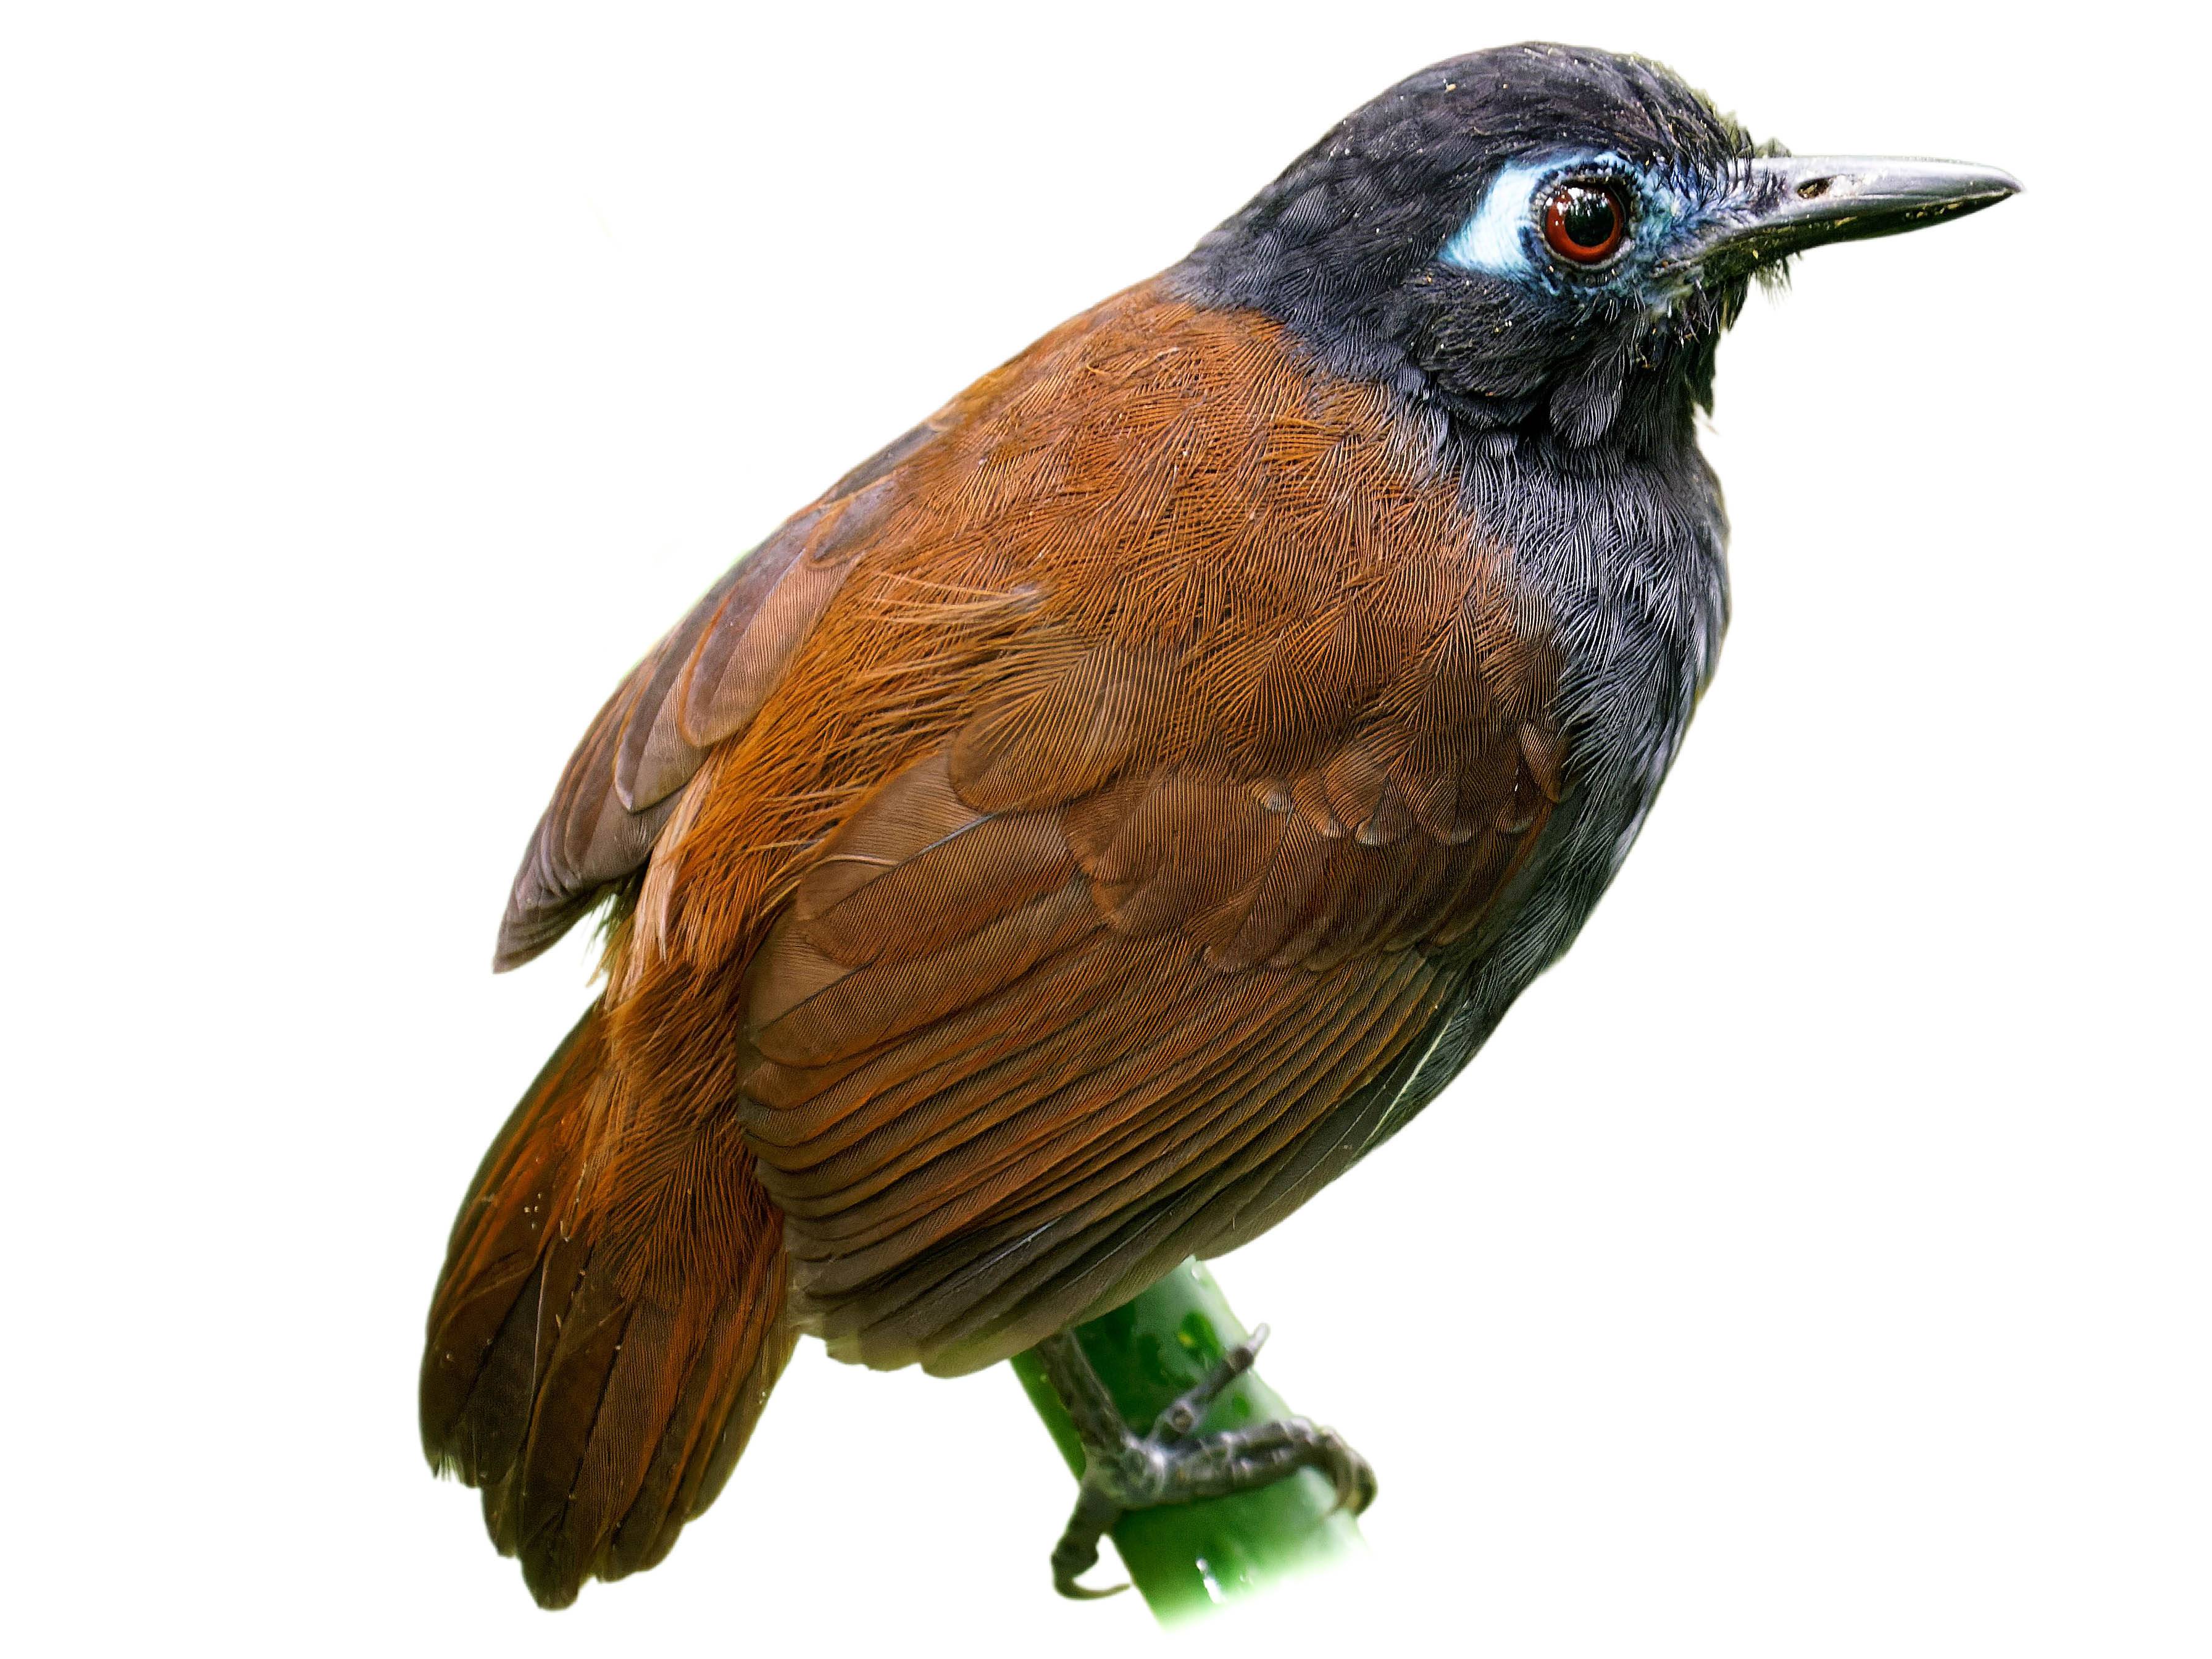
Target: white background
{"points": [[1815, 1264]]}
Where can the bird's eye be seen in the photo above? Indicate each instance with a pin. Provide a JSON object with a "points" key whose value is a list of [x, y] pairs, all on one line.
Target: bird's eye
{"points": [[1585, 223]]}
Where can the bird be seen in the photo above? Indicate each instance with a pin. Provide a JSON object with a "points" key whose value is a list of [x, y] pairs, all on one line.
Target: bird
{"points": [[1121, 803]]}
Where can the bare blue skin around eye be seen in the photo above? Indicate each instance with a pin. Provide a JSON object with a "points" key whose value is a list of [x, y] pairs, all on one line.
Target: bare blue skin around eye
{"points": [[1492, 238], [1497, 237]]}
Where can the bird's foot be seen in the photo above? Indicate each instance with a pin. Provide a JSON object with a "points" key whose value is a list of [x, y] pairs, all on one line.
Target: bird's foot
{"points": [[1173, 1464]]}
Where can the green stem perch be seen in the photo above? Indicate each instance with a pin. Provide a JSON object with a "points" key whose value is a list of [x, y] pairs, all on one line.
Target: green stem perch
{"points": [[1186, 1559]]}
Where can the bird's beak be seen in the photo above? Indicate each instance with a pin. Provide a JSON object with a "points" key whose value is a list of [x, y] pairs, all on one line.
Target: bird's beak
{"points": [[1789, 203]]}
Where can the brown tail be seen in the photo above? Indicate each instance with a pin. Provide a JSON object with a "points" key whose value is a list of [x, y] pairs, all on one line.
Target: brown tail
{"points": [[607, 1327]]}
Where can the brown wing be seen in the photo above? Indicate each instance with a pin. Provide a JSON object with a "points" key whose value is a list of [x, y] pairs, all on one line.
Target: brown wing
{"points": [[1106, 852], [700, 686]]}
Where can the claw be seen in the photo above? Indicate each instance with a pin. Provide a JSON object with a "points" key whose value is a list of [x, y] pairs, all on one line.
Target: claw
{"points": [[1077, 1553], [1352, 1475], [1076, 1592], [1354, 1481]]}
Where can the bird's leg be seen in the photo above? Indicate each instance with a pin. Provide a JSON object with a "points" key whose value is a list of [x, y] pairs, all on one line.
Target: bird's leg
{"points": [[1172, 1463]]}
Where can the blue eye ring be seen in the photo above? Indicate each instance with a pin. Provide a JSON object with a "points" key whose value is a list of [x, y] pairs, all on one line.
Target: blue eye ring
{"points": [[1505, 234]]}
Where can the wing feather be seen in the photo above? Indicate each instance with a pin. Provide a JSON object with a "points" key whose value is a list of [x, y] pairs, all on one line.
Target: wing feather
{"points": [[699, 687]]}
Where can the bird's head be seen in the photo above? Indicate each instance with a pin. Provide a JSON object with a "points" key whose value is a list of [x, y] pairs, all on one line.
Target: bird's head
{"points": [[1547, 240]]}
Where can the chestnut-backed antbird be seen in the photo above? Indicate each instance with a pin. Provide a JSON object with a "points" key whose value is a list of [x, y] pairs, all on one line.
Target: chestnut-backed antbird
{"points": [[1118, 805]]}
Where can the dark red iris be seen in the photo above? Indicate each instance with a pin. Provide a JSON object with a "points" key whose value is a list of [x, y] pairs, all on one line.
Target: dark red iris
{"points": [[1585, 223]]}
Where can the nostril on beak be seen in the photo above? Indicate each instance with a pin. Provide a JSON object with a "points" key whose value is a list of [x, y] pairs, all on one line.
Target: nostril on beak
{"points": [[1812, 188]]}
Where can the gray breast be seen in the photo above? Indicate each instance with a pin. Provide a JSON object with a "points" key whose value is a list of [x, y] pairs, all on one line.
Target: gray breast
{"points": [[1629, 559]]}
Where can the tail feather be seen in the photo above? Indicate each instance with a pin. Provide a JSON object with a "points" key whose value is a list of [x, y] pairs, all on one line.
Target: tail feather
{"points": [[608, 1326]]}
